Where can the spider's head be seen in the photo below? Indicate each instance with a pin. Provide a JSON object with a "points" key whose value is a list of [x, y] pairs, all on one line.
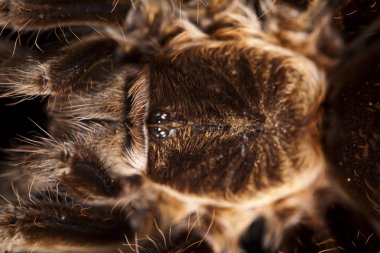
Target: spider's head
{"points": [[231, 122]]}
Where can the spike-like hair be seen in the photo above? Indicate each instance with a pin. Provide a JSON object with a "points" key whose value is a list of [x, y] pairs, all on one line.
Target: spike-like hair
{"points": [[173, 125]]}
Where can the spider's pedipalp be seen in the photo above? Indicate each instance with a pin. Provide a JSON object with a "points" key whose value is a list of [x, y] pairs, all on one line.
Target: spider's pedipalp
{"points": [[79, 169]]}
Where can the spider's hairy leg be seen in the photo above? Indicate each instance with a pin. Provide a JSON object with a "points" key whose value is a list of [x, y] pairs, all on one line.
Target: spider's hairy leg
{"points": [[71, 69], [48, 222], [77, 168], [44, 14], [309, 31]]}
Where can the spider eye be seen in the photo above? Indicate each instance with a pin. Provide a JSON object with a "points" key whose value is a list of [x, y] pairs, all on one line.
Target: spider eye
{"points": [[159, 117], [159, 122], [159, 132]]}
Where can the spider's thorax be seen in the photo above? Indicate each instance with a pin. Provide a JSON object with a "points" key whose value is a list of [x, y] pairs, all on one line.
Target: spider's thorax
{"points": [[232, 124], [229, 132]]}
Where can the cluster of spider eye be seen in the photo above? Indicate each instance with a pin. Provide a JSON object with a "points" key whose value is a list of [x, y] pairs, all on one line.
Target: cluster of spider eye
{"points": [[191, 126]]}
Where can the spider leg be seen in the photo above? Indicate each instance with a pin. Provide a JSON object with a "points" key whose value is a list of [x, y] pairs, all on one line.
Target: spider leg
{"points": [[56, 222], [80, 169], [311, 32], [45, 14], [69, 70]]}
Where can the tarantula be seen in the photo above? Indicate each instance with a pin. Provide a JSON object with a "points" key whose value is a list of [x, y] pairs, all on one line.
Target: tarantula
{"points": [[180, 126]]}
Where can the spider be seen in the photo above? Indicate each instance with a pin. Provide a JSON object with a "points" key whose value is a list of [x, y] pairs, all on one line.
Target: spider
{"points": [[180, 126]]}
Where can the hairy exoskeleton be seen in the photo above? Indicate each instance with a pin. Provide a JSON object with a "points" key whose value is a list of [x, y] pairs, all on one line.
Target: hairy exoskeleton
{"points": [[173, 125]]}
